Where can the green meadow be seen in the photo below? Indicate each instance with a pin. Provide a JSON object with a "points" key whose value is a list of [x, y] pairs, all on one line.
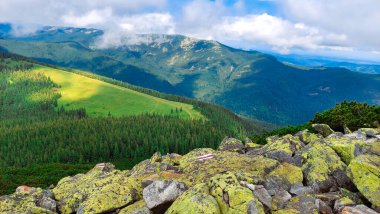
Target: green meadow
{"points": [[101, 99]]}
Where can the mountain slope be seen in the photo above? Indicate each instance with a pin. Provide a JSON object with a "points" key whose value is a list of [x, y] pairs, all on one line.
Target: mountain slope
{"points": [[250, 83], [100, 98]]}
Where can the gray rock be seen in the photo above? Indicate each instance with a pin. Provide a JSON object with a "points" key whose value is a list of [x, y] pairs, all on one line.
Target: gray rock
{"points": [[359, 209], [346, 129], [323, 207], [280, 198], [160, 193], [323, 129], [252, 208], [329, 198], [341, 203], [260, 193], [275, 183], [47, 203], [232, 145], [370, 132], [299, 189], [356, 136]]}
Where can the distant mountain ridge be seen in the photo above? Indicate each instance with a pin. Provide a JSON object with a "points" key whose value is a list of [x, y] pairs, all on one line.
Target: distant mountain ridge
{"points": [[250, 83]]}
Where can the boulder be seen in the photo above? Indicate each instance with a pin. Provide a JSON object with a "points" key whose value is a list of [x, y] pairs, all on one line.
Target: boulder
{"points": [[370, 132], [307, 137], [341, 203], [160, 194], [283, 148], [232, 145], [260, 193], [232, 197], [323, 168], [279, 199], [329, 198], [323, 208], [195, 200], [359, 209], [284, 177], [365, 173], [299, 189], [323, 129], [303, 204], [347, 148], [28, 200], [136, 208], [200, 171], [346, 129], [156, 157], [102, 189]]}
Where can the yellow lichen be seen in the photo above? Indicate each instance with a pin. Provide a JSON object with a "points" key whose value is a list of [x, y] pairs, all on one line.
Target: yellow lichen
{"points": [[365, 172], [288, 173], [195, 200]]}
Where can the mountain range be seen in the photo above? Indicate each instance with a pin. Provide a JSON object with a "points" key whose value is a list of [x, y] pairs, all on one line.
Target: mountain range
{"points": [[250, 83]]}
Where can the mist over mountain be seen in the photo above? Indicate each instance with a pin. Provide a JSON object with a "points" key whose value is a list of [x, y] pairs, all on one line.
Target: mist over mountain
{"points": [[250, 83]]}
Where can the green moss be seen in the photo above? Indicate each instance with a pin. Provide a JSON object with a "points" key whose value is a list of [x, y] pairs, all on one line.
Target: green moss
{"points": [[364, 170], [195, 200]]}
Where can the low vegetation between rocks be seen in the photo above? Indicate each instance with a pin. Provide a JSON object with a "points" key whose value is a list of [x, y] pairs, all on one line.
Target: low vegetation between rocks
{"points": [[329, 172]]}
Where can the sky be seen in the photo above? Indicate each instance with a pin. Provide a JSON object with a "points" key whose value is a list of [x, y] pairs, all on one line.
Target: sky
{"points": [[332, 28]]}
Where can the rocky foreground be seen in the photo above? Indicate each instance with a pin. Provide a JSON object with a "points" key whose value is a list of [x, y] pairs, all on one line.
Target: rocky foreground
{"points": [[328, 172]]}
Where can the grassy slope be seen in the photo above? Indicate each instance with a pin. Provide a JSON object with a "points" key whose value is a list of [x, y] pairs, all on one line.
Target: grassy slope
{"points": [[99, 98]]}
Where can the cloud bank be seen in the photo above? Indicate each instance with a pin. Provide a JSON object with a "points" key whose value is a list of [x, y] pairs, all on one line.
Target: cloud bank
{"points": [[327, 27]]}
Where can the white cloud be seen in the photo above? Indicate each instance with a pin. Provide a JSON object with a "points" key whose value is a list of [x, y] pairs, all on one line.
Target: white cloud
{"points": [[359, 20], [128, 27], [93, 17], [341, 26]]}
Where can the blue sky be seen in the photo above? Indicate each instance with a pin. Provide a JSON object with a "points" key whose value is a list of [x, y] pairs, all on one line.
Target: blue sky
{"points": [[347, 29]]}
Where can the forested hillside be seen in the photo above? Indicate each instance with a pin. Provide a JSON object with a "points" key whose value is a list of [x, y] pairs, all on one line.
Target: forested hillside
{"points": [[35, 129]]}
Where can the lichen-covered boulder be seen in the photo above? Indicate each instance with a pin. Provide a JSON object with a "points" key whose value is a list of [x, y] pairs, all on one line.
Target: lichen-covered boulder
{"points": [[102, 189], [195, 200], [156, 157], [307, 137], [283, 148], [323, 129], [284, 177], [370, 132], [136, 208], [232, 145], [28, 200], [197, 170], [365, 173], [280, 198], [160, 194], [341, 203], [346, 148], [232, 197], [303, 204], [323, 168], [358, 209]]}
